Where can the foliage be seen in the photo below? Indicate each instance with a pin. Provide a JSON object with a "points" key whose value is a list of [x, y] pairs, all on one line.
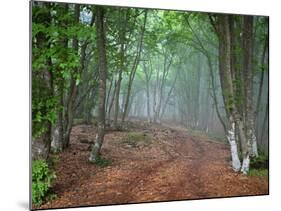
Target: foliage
{"points": [[42, 178], [54, 61]]}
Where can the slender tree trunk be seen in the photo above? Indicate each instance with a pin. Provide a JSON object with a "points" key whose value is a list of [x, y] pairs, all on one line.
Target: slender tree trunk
{"points": [[214, 95], [147, 90], [107, 100], [260, 85], [96, 147], [169, 95], [112, 101], [265, 120], [134, 68], [117, 93], [73, 88], [148, 101]]}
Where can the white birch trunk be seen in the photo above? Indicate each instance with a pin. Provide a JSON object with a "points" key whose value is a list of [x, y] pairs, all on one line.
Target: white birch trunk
{"points": [[245, 164], [56, 142], [233, 148], [254, 148]]}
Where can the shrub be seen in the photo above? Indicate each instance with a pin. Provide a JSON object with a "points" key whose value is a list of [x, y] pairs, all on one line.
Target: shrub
{"points": [[42, 179]]}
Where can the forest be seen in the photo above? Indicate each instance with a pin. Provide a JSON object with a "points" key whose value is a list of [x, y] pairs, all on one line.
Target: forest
{"points": [[137, 105]]}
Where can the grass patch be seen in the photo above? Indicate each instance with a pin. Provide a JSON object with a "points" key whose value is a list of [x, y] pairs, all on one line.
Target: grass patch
{"points": [[136, 139], [259, 165], [102, 162], [258, 172]]}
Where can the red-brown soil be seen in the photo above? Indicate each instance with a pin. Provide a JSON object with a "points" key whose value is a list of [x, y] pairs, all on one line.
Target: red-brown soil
{"points": [[174, 165]]}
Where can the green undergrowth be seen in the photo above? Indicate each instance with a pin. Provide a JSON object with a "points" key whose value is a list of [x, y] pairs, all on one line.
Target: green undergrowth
{"points": [[261, 162], [136, 139], [258, 172], [259, 165], [42, 180], [102, 162]]}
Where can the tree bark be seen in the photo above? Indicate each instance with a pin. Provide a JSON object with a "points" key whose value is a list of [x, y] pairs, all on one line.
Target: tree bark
{"points": [[147, 79], [248, 71], [261, 81], [227, 87], [100, 42], [57, 129], [40, 146]]}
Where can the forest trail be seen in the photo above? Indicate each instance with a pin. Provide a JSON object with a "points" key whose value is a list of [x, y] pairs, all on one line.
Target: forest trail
{"points": [[165, 163]]}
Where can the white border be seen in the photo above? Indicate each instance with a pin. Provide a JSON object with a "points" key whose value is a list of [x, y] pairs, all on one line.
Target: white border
{"points": [[14, 116]]}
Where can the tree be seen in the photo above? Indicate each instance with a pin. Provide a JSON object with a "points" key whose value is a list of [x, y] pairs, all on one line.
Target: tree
{"points": [[43, 103], [102, 63], [237, 84], [134, 67]]}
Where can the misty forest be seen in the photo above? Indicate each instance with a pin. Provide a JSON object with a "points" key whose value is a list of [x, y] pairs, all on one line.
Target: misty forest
{"points": [[140, 105]]}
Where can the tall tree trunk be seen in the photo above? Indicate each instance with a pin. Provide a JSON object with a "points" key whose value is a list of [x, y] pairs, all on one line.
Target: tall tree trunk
{"points": [[73, 88], [169, 95], [134, 68], [265, 120], [122, 36], [117, 93], [40, 146], [96, 147], [57, 129], [227, 87], [261, 81], [148, 101], [248, 70], [112, 101], [147, 90]]}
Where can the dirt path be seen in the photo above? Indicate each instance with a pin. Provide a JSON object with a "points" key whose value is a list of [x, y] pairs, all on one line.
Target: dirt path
{"points": [[173, 166]]}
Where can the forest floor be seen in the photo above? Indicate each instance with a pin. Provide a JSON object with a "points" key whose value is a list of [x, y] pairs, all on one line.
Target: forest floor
{"points": [[149, 162]]}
